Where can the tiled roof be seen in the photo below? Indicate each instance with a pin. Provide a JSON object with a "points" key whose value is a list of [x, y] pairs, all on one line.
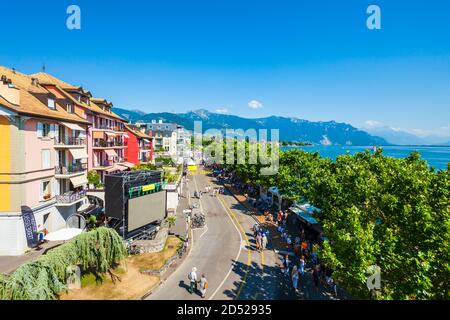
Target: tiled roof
{"points": [[137, 132], [94, 107], [30, 104]]}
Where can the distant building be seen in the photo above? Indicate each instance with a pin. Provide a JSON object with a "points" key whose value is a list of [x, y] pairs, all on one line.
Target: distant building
{"points": [[140, 146], [164, 136]]}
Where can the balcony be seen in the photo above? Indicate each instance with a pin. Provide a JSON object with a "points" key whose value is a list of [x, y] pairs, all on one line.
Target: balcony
{"points": [[103, 164], [145, 159], [108, 144], [108, 128], [70, 142], [70, 198], [64, 172]]}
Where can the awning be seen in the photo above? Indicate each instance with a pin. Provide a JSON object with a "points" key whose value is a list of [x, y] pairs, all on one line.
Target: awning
{"points": [[111, 153], [63, 234], [110, 134], [78, 153], [304, 215], [79, 181], [127, 164], [72, 126], [146, 140], [98, 135]]}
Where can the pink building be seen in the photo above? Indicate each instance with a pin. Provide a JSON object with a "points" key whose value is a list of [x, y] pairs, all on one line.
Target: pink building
{"points": [[44, 158]]}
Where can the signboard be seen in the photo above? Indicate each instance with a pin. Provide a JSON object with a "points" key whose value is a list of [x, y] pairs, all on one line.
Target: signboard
{"points": [[30, 226]]}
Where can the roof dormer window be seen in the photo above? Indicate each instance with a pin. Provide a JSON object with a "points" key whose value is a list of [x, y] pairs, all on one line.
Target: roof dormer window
{"points": [[51, 103]]}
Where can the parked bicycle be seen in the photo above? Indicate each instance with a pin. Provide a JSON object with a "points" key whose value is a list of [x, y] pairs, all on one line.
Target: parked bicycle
{"points": [[198, 221]]}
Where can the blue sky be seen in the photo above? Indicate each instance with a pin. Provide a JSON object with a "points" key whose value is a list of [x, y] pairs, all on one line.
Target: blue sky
{"points": [[314, 60]]}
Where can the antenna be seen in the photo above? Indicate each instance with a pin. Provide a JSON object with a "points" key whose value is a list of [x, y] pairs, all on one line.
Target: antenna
{"points": [[43, 67]]}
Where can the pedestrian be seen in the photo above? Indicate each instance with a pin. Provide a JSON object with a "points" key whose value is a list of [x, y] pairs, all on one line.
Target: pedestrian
{"points": [[192, 276], [258, 242], [264, 241], [203, 285], [279, 217], [316, 277], [301, 265], [294, 277], [286, 263]]}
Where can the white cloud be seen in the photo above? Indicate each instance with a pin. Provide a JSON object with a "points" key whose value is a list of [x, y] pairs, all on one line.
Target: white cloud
{"points": [[222, 110], [254, 104], [373, 123]]}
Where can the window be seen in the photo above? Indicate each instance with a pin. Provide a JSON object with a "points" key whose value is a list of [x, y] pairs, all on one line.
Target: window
{"points": [[45, 191], [44, 130], [45, 158], [51, 103], [69, 107]]}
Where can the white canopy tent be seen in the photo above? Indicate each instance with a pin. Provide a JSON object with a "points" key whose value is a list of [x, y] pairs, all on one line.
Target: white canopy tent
{"points": [[63, 234]]}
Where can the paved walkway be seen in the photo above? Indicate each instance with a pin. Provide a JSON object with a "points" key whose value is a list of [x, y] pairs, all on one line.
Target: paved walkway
{"points": [[8, 264]]}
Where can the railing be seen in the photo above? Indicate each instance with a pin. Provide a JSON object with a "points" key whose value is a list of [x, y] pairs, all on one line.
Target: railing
{"points": [[106, 127], [70, 141], [107, 144], [70, 197], [70, 169], [103, 164]]}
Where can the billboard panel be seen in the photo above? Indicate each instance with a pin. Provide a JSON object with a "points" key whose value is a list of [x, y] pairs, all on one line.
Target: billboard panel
{"points": [[146, 209]]}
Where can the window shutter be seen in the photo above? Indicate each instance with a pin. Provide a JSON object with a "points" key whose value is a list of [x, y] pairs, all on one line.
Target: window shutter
{"points": [[56, 187], [51, 134], [56, 132], [39, 129]]}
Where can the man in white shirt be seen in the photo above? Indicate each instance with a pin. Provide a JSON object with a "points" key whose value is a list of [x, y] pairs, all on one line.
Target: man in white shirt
{"points": [[193, 280]]}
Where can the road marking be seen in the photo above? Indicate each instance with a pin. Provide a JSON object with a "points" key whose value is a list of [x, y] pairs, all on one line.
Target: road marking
{"points": [[236, 259], [246, 240], [206, 229]]}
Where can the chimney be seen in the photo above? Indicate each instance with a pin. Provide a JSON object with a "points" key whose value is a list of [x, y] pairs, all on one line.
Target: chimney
{"points": [[14, 70], [34, 82]]}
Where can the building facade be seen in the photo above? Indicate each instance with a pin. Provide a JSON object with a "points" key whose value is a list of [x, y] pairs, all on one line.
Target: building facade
{"points": [[43, 159], [164, 137], [140, 146]]}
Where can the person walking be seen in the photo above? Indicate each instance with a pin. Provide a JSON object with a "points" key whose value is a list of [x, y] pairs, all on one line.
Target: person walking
{"points": [[264, 241], [203, 285], [301, 265], [316, 277], [193, 280], [286, 263], [294, 278], [258, 241]]}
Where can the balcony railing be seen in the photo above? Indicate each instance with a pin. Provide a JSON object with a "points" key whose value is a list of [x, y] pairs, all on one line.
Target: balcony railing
{"points": [[70, 169], [70, 141], [103, 164], [107, 127], [107, 144], [70, 197]]}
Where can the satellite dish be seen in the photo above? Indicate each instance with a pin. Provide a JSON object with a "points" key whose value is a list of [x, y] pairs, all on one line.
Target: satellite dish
{"points": [[76, 221]]}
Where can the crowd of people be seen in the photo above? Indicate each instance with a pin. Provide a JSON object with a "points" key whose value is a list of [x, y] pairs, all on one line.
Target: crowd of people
{"points": [[303, 256]]}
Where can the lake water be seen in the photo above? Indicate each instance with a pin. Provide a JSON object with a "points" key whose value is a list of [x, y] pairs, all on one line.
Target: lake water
{"points": [[437, 157]]}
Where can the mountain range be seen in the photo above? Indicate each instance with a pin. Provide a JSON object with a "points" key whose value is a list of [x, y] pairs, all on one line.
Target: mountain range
{"points": [[399, 137], [291, 129]]}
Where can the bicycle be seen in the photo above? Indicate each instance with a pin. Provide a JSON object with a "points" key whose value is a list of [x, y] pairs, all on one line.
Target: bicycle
{"points": [[198, 221]]}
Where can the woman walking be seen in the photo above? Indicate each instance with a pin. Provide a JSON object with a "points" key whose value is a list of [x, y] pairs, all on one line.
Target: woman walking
{"points": [[203, 285]]}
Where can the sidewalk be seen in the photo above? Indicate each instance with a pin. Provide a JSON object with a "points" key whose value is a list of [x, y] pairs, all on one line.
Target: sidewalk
{"points": [[8, 264], [277, 247]]}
